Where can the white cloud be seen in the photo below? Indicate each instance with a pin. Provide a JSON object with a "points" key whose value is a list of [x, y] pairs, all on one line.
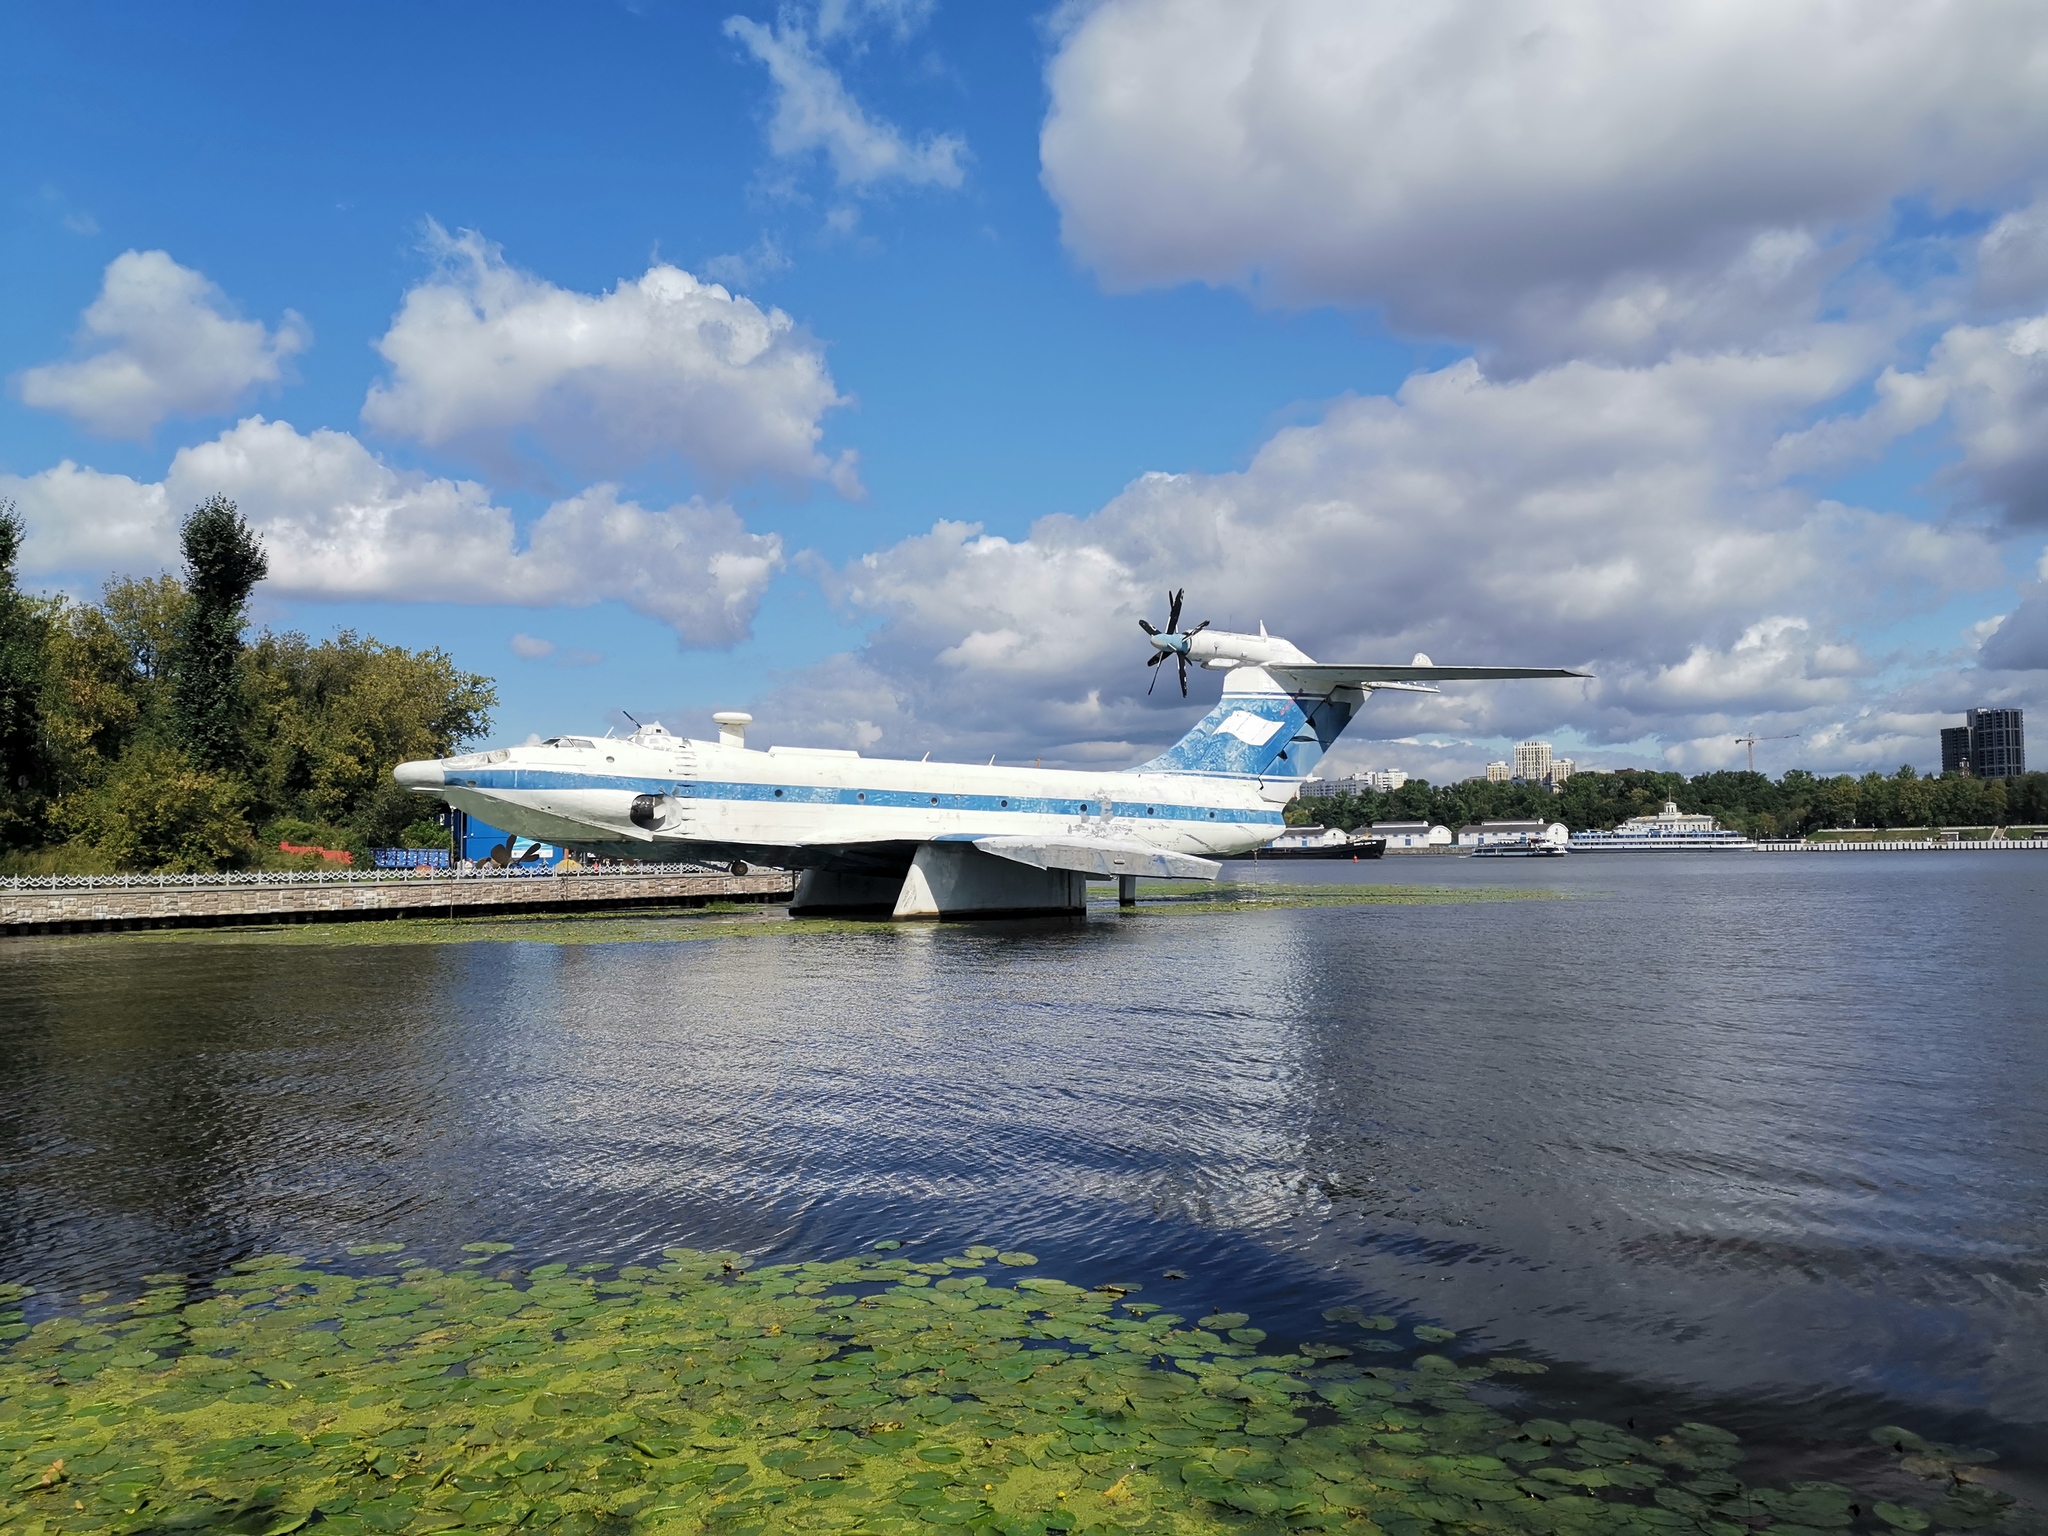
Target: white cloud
{"points": [[483, 354], [902, 17], [2012, 258], [1596, 174], [1992, 383], [762, 259], [337, 521], [531, 647], [1616, 518], [167, 344], [83, 520], [2018, 641], [815, 113]]}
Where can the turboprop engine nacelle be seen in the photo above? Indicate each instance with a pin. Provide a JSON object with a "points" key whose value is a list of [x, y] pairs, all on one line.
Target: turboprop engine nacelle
{"points": [[1219, 648]]}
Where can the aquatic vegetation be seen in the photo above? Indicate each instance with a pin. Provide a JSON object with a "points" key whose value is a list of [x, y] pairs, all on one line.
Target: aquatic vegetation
{"points": [[874, 1394]]}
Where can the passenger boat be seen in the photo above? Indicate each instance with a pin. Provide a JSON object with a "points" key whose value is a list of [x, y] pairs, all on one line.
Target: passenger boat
{"points": [[1670, 829], [1532, 848]]}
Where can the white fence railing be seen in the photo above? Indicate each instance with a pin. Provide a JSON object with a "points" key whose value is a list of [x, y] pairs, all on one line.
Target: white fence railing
{"points": [[288, 877], [1894, 845]]}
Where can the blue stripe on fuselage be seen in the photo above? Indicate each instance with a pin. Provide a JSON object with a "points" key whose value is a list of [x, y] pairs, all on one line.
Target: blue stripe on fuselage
{"points": [[514, 780]]}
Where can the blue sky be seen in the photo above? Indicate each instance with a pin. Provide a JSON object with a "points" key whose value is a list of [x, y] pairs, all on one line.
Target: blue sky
{"points": [[1378, 343]]}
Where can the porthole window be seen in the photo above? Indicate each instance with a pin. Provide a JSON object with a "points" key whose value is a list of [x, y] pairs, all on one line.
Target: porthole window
{"points": [[1212, 815], [1148, 810], [1006, 804], [1084, 805], [862, 795], [935, 799], [778, 794]]}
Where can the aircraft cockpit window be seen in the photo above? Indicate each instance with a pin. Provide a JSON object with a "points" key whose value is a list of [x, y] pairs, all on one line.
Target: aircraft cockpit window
{"points": [[571, 743]]}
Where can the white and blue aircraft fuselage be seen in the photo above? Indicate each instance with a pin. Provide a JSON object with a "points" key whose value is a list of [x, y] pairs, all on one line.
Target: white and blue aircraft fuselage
{"points": [[928, 839]]}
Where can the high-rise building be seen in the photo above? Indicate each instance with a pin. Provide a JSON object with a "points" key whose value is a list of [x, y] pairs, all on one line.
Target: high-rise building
{"points": [[1532, 760], [1561, 768], [1496, 773], [1955, 749], [1378, 780], [1998, 743]]}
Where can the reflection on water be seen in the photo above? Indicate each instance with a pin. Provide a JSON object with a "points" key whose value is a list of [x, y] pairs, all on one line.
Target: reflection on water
{"points": [[1766, 1130]]}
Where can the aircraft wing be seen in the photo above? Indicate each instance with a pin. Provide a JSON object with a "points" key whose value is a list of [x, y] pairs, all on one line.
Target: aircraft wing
{"points": [[1099, 856], [1319, 675]]}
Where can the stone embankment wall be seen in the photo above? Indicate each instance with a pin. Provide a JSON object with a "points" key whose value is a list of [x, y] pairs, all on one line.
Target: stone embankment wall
{"points": [[117, 907]]}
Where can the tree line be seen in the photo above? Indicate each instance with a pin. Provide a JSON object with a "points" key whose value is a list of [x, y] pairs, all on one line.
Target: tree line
{"points": [[148, 731], [1751, 803]]}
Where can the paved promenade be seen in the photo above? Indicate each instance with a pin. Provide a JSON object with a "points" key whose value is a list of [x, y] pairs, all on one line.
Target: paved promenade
{"points": [[193, 901]]}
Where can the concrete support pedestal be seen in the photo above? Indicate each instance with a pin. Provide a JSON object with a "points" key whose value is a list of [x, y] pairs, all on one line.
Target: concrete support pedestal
{"points": [[959, 880], [1127, 890], [819, 892]]}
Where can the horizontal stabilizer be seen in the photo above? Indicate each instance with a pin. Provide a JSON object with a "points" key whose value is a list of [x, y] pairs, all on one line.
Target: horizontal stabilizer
{"points": [[1104, 856], [1318, 676]]}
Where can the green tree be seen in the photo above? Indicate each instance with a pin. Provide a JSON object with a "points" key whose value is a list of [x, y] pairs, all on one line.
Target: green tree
{"points": [[24, 664], [2026, 799], [338, 716], [160, 810], [223, 563]]}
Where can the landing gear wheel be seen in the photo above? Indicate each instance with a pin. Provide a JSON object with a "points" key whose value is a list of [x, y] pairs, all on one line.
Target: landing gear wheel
{"points": [[738, 866]]}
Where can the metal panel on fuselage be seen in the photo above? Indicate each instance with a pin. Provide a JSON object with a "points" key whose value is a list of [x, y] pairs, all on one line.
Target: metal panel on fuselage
{"points": [[734, 797]]}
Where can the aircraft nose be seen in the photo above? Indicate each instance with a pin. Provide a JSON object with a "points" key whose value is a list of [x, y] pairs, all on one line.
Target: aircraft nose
{"points": [[421, 776]]}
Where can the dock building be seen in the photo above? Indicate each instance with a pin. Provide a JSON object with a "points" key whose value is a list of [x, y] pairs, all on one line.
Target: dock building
{"points": [[1411, 834]]}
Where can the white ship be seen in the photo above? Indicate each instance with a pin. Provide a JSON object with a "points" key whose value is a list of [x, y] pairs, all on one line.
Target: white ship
{"points": [[1669, 828]]}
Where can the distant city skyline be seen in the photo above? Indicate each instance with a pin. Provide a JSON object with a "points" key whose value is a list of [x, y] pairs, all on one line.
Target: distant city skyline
{"points": [[1989, 744]]}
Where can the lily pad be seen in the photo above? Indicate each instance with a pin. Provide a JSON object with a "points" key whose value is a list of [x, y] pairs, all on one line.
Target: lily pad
{"points": [[1017, 1259], [825, 1398], [1430, 1334]]}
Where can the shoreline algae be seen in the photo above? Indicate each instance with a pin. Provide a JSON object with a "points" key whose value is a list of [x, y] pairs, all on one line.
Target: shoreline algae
{"points": [[872, 1394]]}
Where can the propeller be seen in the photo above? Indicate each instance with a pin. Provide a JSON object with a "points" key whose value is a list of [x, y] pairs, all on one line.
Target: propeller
{"points": [[1170, 641]]}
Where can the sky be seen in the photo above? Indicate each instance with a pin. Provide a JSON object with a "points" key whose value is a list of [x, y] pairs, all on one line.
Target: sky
{"points": [[876, 365]]}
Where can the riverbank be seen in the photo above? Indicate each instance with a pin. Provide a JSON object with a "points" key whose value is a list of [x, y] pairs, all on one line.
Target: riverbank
{"points": [[1900, 845], [85, 904]]}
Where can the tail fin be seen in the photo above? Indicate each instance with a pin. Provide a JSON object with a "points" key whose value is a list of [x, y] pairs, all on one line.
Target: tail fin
{"points": [[1261, 730]]}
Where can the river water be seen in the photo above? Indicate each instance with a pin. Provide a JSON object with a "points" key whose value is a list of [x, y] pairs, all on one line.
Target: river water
{"points": [[1757, 1138]]}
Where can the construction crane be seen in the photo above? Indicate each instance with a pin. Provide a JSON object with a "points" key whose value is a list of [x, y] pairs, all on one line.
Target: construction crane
{"points": [[1751, 741]]}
